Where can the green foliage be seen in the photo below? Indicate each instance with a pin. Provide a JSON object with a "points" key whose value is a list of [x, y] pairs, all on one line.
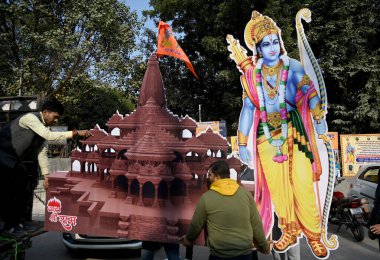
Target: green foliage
{"points": [[47, 45], [204, 26], [82, 52], [344, 36], [95, 105]]}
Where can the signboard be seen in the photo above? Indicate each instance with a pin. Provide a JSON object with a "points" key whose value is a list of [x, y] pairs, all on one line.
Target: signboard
{"points": [[234, 144], [357, 150], [334, 139], [202, 127], [335, 146]]}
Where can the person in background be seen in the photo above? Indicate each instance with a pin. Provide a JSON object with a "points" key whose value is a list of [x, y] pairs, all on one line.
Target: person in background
{"points": [[19, 138], [374, 220], [293, 253], [246, 173], [149, 248], [230, 235]]}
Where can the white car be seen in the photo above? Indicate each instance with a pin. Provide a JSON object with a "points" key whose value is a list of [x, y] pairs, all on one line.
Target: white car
{"points": [[364, 183]]}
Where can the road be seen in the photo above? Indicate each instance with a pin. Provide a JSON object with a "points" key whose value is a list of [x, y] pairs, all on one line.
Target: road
{"points": [[49, 246]]}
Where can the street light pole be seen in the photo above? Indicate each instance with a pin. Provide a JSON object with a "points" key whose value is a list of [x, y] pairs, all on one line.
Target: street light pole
{"points": [[200, 109]]}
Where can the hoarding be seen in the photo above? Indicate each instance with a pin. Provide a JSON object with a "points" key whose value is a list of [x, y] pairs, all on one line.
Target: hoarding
{"points": [[358, 150]]}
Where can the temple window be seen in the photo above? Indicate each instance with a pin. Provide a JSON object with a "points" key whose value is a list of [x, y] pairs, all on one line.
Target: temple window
{"points": [[186, 133], [121, 154], [75, 166], [109, 153], [178, 157], [115, 131]]}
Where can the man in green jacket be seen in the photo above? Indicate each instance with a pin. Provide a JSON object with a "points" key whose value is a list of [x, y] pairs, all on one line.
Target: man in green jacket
{"points": [[233, 223]]}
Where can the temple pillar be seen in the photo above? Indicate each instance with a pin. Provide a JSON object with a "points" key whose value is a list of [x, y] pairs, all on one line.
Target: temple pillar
{"points": [[101, 174], [128, 198], [168, 202], [155, 202], [140, 202]]}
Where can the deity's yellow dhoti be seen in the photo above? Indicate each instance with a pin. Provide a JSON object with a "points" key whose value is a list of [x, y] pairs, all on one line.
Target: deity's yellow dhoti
{"points": [[291, 183]]}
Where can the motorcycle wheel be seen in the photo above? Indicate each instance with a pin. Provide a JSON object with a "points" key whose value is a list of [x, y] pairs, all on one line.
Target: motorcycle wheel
{"points": [[357, 230]]}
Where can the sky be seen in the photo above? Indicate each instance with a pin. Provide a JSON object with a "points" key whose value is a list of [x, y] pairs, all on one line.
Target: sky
{"points": [[139, 6]]}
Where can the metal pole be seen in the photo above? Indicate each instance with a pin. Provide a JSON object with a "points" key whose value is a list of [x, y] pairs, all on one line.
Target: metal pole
{"points": [[200, 109], [20, 83]]}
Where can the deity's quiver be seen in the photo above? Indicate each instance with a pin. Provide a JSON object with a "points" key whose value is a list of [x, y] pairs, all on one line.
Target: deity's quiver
{"points": [[239, 54]]}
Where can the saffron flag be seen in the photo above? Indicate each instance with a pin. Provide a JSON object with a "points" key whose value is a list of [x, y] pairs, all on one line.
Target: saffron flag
{"points": [[167, 45]]}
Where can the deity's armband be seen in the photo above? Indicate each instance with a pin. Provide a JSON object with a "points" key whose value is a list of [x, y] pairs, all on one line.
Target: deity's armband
{"points": [[304, 81], [317, 112], [242, 139], [244, 94]]}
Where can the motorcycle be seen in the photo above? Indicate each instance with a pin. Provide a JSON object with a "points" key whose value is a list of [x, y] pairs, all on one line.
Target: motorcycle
{"points": [[350, 212]]}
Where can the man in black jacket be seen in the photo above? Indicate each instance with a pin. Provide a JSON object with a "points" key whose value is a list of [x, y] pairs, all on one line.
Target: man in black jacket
{"points": [[23, 137]]}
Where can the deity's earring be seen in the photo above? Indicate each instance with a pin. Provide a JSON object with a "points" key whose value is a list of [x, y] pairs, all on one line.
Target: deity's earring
{"points": [[259, 52]]}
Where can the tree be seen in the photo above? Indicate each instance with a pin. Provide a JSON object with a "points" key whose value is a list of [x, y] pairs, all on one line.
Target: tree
{"points": [[344, 36], [204, 26], [46, 45], [95, 105]]}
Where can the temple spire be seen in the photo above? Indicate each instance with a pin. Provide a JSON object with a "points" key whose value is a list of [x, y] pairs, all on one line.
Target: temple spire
{"points": [[152, 86]]}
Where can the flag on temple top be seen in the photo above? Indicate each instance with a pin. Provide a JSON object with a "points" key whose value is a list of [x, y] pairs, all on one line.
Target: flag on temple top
{"points": [[167, 45]]}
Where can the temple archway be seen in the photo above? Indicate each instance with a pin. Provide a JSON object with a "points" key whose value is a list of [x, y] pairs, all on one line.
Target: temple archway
{"points": [[121, 182], [177, 191], [76, 166], [135, 191], [148, 193]]}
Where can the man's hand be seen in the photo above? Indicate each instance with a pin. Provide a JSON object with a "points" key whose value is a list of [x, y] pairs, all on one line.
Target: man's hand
{"points": [[266, 249], [84, 133], [185, 241], [46, 183], [375, 229]]}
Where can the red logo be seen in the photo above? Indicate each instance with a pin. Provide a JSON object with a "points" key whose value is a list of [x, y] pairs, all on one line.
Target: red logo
{"points": [[54, 206]]}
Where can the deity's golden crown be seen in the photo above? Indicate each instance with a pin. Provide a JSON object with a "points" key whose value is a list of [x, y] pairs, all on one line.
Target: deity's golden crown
{"points": [[257, 28]]}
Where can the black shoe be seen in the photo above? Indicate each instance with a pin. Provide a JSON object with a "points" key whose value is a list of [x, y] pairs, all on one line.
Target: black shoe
{"points": [[27, 227], [13, 232]]}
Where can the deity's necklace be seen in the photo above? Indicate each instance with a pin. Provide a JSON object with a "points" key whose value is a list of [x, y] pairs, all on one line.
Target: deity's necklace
{"points": [[279, 157], [271, 71]]}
